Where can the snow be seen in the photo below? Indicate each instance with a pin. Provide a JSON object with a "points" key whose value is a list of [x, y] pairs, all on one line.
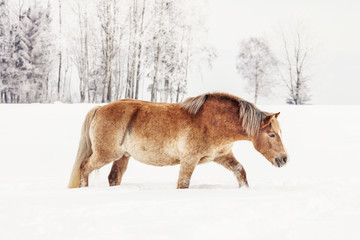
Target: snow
{"points": [[316, 196]]}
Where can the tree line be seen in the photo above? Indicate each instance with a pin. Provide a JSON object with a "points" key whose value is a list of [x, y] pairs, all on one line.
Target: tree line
{"points": [[103, 50], [117, 49]]}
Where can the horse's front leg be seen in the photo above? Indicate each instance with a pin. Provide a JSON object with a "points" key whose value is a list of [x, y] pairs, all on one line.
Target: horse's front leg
{"points": [[230, 162], [187, 167]]}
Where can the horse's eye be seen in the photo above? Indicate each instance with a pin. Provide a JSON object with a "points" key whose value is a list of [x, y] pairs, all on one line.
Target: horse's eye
{"points": [[272, 135]]}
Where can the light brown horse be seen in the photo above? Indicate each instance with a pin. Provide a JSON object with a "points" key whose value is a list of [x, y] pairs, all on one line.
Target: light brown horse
{"points": [[199, 130]]}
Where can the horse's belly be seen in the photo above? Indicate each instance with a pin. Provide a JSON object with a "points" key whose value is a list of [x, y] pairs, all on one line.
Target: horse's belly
{"points": [[158, 161], [155, 159], [153, 155]]}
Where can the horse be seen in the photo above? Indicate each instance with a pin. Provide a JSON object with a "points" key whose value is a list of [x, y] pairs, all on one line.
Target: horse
{"points": [[198, 130]]}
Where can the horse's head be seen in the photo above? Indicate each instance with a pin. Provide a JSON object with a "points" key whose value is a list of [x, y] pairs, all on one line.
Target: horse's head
{"points": [[268, 141]]}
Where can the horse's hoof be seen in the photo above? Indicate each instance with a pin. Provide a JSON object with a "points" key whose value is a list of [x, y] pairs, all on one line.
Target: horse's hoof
{"points": [[245, 184]]}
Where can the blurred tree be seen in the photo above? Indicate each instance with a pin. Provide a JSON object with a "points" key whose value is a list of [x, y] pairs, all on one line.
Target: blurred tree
{"points": [[8, 84], [33, 49], [255, 63], [111, 49], [60, 78], [294, 70]]}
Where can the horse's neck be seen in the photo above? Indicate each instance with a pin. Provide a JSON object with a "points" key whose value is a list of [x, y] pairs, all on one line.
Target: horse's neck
{"points": [[222, 117]]}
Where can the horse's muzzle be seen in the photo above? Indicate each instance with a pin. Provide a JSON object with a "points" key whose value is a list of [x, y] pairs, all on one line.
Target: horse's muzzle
{"points": [[280, 161]]}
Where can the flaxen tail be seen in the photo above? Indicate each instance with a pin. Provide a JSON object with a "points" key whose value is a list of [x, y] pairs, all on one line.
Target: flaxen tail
{"points": [[84, 150]]}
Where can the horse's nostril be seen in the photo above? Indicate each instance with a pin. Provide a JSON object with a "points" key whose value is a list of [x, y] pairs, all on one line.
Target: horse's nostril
{"points": [[278, 162], [284, 159]]}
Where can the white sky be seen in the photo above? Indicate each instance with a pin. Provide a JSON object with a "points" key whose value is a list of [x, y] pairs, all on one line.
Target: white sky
{"points": [[334, 25]]}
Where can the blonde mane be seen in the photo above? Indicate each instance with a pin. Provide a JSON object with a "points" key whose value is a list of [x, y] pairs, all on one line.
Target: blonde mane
{"points": [[193, 104], [250, 116]]}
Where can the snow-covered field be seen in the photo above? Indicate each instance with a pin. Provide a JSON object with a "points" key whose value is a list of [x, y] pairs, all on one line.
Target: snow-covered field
{"points": [[316, 196]]}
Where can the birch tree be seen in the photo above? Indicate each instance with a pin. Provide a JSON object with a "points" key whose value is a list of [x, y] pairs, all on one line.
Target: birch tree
{"points": [[140, 48], [137, 11], [107, 11], [157, 43], [60, 51], [80, 49], [120, 58], [255, 63], [178, 47], [295, 69], [7, 86]]}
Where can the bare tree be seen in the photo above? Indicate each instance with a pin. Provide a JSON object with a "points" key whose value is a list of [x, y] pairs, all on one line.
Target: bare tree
{"points": [[60, 52], [178, 45], [137, 10], [255, 63], [158, 31], [107, 11], [80, 49], [140, 46], [133, 43], [295, 67], [6, 88]]}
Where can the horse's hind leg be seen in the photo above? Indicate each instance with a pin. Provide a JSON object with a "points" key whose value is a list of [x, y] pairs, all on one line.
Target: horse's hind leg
{"points": [[229, 162], [94, 162], [86, 168], [117, 171]]}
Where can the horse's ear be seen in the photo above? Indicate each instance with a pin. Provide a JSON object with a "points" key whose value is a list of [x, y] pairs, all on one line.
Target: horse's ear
{"points": [[277, 114], [267, 119]]}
